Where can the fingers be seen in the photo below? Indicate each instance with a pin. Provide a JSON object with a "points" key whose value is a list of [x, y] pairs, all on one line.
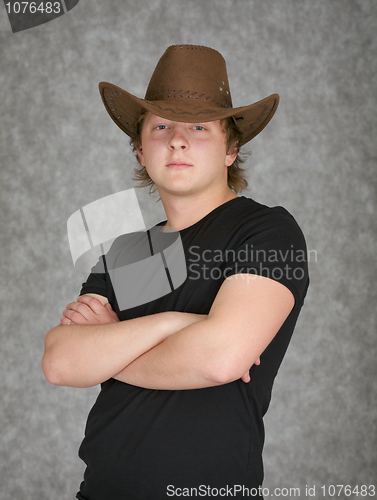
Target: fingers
{"points": [[70, 316], [78, 313], [111, 312], [66, 321], [98, 307], [88, 310], [246, 376], [91, 302]]}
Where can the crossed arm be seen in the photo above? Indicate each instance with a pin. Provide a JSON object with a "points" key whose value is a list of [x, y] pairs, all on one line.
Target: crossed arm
{"points": [[168, 350]]}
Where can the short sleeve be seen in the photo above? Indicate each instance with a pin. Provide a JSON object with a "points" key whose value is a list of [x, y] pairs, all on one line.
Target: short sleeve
{"points": [[96, 282], [273, 247]]}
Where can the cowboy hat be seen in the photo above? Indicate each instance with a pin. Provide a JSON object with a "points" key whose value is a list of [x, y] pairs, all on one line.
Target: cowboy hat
{"points": [[190, 85]]}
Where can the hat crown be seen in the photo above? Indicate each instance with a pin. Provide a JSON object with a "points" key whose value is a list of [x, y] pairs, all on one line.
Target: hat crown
{"points": [[189, 85], [190, 72]]}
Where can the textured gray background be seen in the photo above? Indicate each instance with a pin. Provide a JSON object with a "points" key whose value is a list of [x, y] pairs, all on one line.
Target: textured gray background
{"points": [[59, 150]]}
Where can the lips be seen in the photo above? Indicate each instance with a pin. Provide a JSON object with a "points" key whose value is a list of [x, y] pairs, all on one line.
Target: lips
{"points": [[178, 165]]}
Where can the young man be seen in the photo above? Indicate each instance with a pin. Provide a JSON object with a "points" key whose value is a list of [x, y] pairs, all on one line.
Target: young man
{"points": [[183, 391]]}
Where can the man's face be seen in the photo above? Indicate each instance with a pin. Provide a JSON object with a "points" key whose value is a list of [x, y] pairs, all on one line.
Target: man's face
{"points": [[185, 158]]}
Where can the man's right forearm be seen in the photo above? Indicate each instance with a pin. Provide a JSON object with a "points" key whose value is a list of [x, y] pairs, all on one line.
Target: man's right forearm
{"points": [[86, 355]]}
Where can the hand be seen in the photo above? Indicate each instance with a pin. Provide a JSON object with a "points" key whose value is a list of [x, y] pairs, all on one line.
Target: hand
{"points": [[88, 311], [246, 376]]}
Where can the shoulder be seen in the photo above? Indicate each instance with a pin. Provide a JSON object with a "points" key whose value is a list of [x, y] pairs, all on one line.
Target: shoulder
{"points": [[249, 209], [253, 219], [270, 243]]}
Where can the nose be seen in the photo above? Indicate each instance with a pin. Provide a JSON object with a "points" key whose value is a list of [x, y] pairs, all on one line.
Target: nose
{"points": [[178, 139]]}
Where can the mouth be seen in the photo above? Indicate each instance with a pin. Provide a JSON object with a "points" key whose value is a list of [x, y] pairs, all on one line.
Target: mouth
{"points": [[178, 165]]}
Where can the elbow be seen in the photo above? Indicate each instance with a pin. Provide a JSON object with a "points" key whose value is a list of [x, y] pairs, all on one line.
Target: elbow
{"points": [[51, 370], [57, 372], [48, 370], [51, 366], [60, 366]]}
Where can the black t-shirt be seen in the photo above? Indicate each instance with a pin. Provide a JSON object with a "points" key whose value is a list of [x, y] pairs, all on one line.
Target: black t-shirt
{"points": [[144, 444]]}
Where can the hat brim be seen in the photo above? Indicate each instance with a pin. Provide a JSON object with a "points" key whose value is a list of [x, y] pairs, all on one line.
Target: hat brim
{"points": [[124, 109]]}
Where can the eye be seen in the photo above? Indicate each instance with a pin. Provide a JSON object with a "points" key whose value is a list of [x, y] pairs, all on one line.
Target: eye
{"points": [[161, 127], [198, 127]]}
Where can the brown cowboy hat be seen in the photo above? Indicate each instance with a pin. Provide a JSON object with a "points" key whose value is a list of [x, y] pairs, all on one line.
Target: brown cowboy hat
{"points": [[190, 85]]}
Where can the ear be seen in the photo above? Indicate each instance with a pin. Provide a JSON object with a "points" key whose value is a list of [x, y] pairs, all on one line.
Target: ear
{"points": [[231, 156], [141, 156]]}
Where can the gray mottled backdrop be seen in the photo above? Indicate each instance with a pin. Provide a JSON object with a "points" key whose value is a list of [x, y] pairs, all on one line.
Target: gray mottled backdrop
{"points": [[60, 150]]}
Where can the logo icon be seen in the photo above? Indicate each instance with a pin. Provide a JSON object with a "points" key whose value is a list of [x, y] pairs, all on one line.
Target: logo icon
{"points": [[26, 15], [108, 236]]}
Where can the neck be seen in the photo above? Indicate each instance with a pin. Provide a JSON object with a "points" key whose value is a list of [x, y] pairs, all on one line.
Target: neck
{"points": [[184, 211]]}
